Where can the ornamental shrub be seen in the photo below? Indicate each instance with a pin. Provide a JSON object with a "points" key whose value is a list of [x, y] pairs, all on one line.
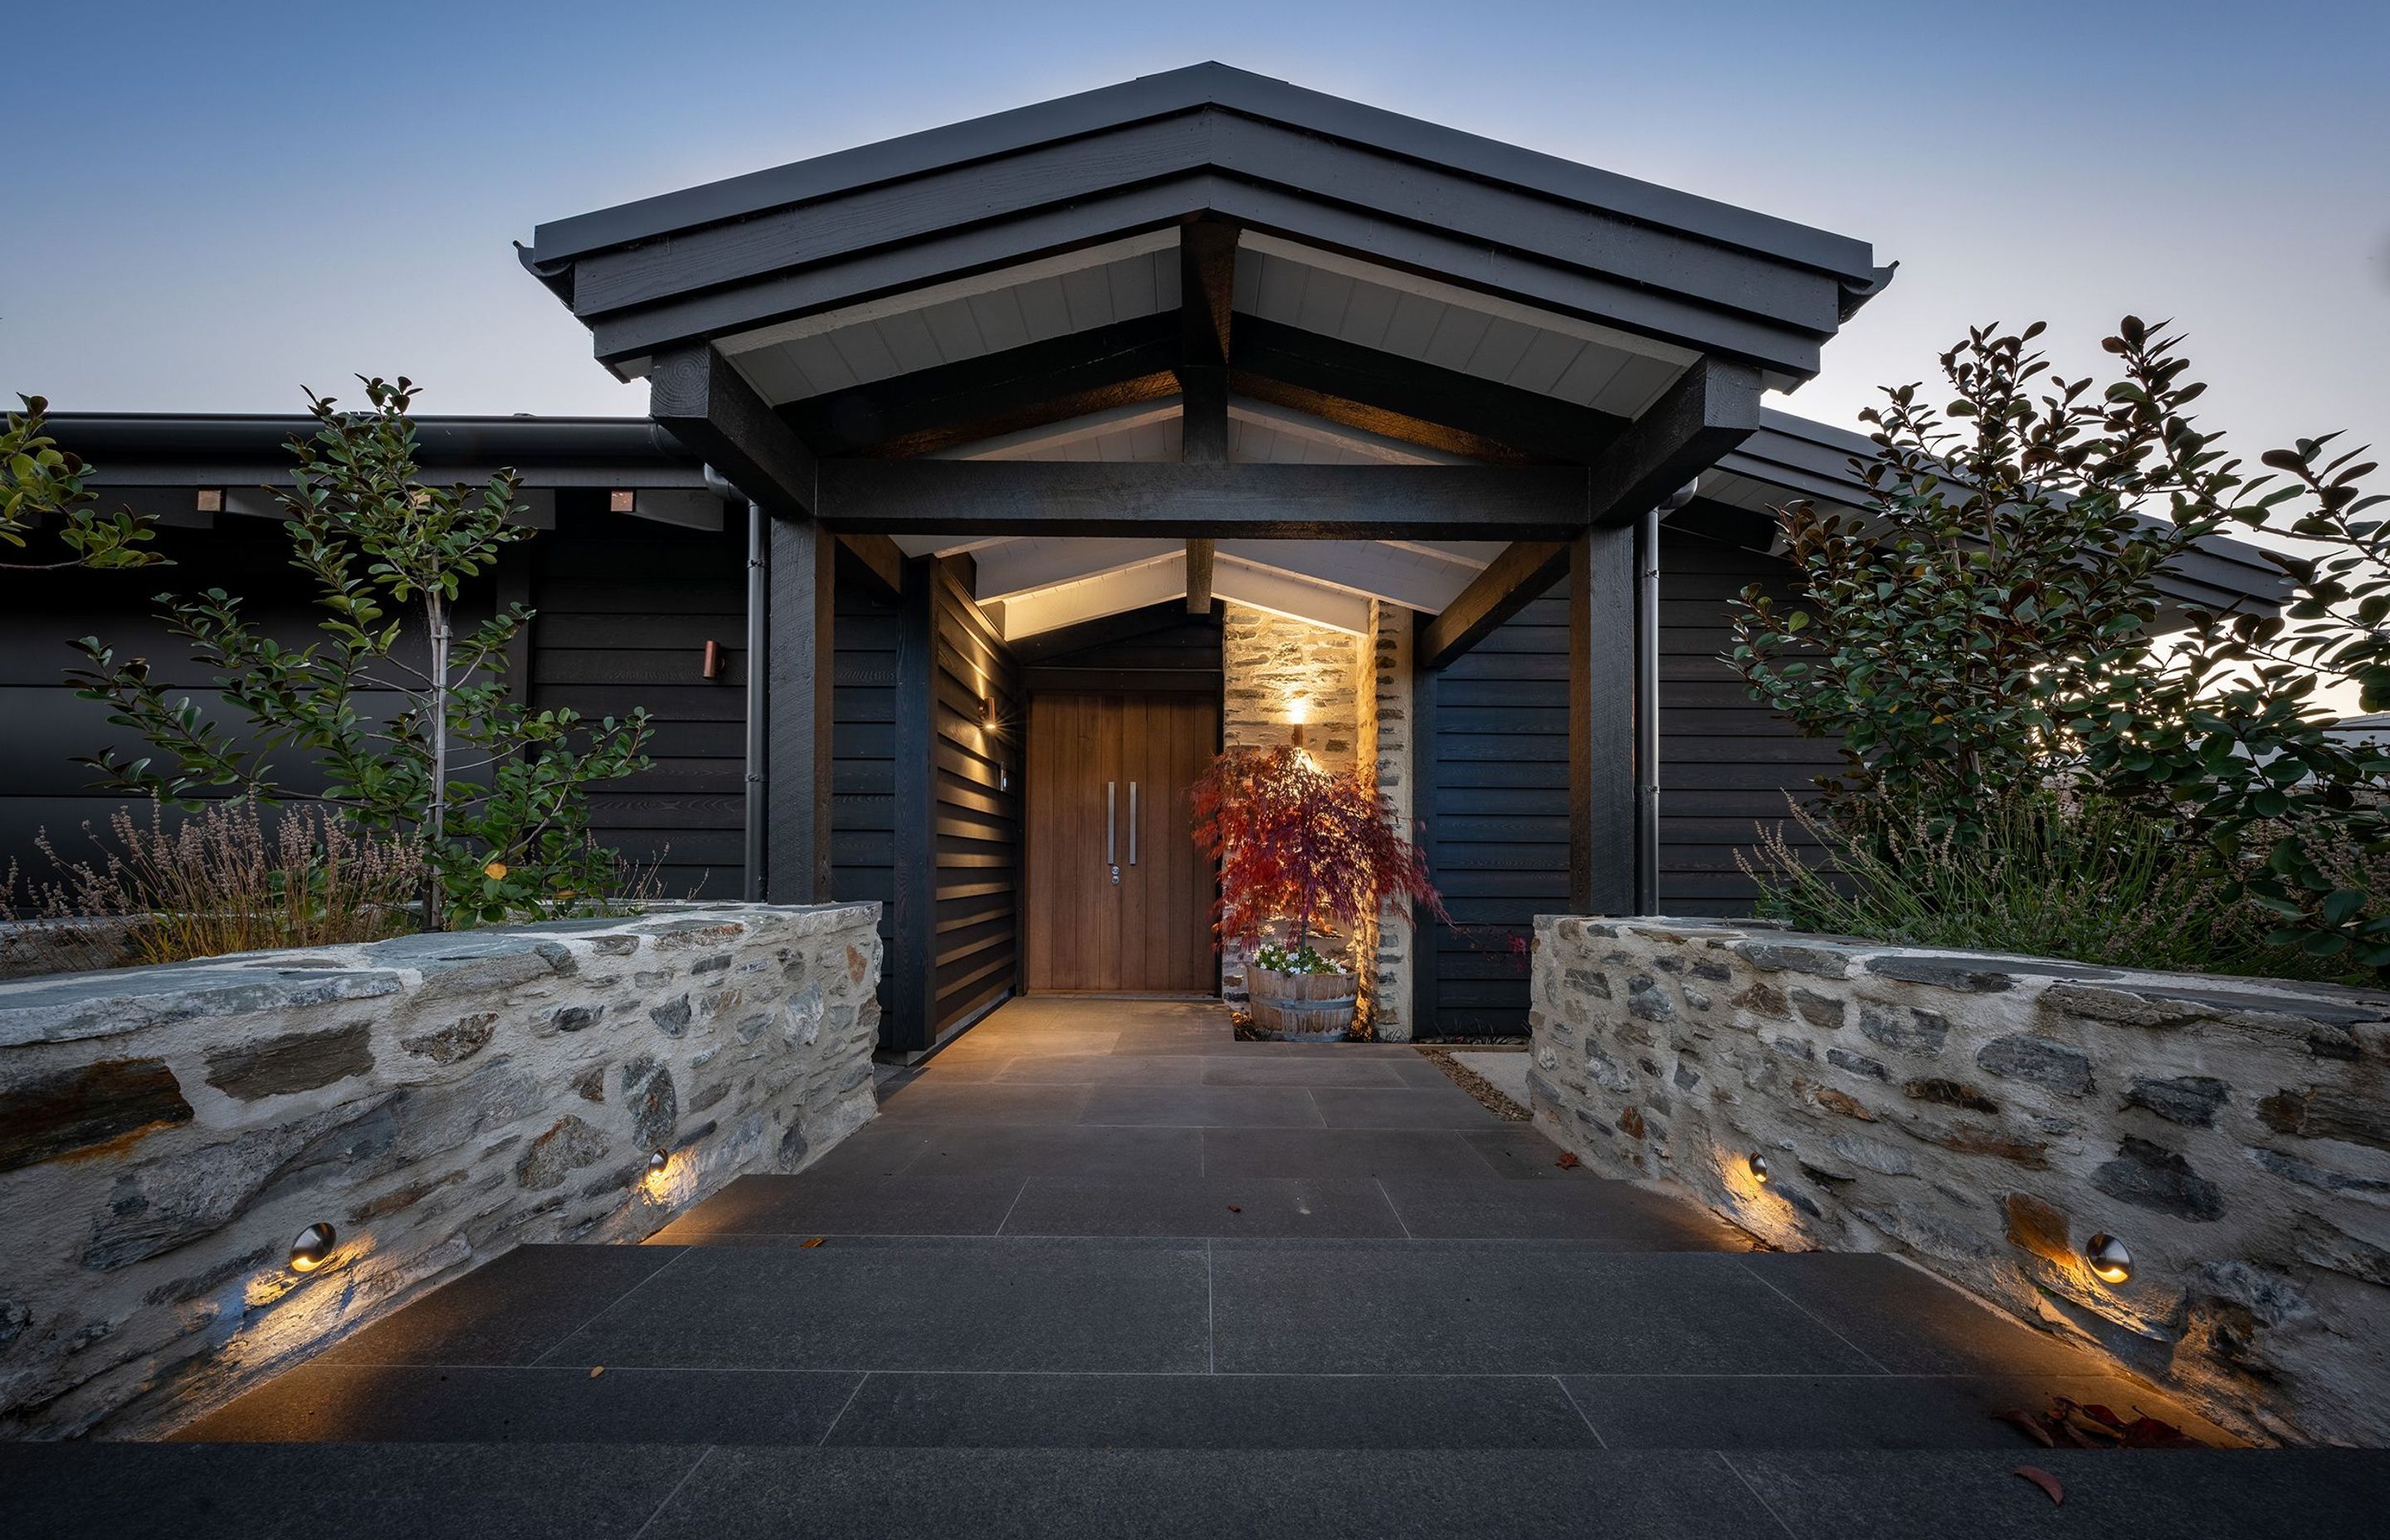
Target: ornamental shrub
{"points": [[493, 794]]}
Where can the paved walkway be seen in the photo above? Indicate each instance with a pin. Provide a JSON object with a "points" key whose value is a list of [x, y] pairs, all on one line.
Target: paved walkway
{"points": [[1101, 1269]]}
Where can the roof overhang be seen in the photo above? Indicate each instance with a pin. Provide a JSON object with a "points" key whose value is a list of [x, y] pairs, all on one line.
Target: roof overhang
{"points": [[1115, 167]]}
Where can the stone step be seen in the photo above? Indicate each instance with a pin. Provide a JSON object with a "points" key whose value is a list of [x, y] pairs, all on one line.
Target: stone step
{"points": [[854, 1305], [662, 1492], [411, 1404], [1483, 1207]]}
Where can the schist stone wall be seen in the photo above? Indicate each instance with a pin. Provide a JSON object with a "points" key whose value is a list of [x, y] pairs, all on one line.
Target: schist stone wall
{"points": [[1985, 1116], [165, 1133]]}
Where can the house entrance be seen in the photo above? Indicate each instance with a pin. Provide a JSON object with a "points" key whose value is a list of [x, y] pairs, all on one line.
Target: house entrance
{"points": [[1119, 898]]}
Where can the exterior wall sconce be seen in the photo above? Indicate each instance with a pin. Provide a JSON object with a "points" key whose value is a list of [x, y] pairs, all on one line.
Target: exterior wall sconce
{"points": [[210, 500], [2109, 1261], [715, 662], [623, 501], [987, 718], [658, 1163], [313, 1249], [1758, 1164], [1295, 735]]}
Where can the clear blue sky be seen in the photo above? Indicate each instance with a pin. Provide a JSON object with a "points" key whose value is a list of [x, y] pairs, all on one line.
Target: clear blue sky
{"points": [[210, 205]]}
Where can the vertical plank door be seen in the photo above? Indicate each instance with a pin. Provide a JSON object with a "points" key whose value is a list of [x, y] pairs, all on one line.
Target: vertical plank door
{"points": [[1110, 781]]}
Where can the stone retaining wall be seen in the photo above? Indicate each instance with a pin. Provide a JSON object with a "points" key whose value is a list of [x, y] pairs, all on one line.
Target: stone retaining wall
{"points": [[165, 1133], [1985, 1116]]}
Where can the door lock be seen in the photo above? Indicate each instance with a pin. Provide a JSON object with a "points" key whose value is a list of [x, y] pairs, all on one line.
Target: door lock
{"points": [[1116, 874]]}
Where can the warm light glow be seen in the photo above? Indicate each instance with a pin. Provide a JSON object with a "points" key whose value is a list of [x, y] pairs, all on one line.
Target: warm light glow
{"points": [[1758, 1164], [2109, 1261], [658, 1180], [987, 712], [313, 1249]]}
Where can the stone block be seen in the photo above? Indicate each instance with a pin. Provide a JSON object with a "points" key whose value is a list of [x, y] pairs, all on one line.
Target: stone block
{"points": [[93, 1106], [2151, 1176], [292, 1063], [2035, 1059], [1905, 1028], [2191, 1101]]}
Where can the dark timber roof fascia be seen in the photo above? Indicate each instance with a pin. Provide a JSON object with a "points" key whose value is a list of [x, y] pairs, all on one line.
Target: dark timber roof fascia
{"points": [[1190, 89], [227, 448], [1813, 459]]}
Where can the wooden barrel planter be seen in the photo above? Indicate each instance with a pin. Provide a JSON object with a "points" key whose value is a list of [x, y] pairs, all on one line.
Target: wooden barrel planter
{"points": [[1302, 1008]]}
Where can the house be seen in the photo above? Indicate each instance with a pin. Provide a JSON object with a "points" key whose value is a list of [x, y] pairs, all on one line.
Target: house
{"points": [[995, 476]]}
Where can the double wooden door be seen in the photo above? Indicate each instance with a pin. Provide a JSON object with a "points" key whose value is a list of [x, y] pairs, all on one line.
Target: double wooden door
{"points": [[1119, 898]]}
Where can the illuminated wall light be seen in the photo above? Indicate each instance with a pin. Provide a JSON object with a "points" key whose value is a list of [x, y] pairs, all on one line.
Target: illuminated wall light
{"points": [[2109, 1261], [987, 712], [313, 1249], [1758, 1164], [658, 1163]]}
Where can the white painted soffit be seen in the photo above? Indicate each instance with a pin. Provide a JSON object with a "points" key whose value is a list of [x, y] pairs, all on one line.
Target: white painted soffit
{"points": [[1164, 578], [1444, 324], [1259, 433], [964, 319]]}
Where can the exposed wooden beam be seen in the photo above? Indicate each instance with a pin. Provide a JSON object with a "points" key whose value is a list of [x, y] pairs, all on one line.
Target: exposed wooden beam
{"points": [[1323, 501], [694, 394], [1198, 576], [1207, 279], [802, 589], [1517, 578], [1601, 721], [877, 555], [1402, 398], [1713, 407], [1030, 386]]}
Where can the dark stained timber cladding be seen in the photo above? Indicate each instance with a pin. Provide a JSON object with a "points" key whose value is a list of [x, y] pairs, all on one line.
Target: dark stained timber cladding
{"points": [[1493, 795], [47, 728], [863, 749], [624, 609], [1726, 763], [975, 788], [1492, 779]]}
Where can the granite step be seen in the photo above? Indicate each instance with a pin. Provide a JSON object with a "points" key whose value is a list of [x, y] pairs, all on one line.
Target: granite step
{"points": [[717, 1492]]}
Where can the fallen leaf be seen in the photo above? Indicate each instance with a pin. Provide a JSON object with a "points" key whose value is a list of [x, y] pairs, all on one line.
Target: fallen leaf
{"points": [[1233, 1209], [1568, 1160], [596, 1370], [2045, 1480], [2148, 1433], [811, 1244]]}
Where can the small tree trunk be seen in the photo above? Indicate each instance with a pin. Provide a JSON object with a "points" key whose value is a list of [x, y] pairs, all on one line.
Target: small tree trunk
{"points": [[435, 820]]}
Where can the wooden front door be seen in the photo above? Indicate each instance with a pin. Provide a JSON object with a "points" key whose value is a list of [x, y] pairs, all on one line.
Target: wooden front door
{"points": [[1119, 898]]}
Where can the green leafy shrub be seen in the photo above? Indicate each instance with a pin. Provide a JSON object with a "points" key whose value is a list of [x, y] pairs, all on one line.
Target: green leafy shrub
{"points": [[2036, 872], [38, 479], [494, 793], [1990, 627]]}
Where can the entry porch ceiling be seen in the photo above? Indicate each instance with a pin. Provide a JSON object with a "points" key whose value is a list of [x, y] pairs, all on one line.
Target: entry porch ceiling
{"points": [[1044, 582], [738, 263]]}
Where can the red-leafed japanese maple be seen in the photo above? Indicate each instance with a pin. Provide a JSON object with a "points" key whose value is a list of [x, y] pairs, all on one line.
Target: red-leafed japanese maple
{"points": [[1302, 847]]}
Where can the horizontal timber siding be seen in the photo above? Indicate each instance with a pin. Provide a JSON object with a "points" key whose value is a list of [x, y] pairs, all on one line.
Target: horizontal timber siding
{"points": [[1492, 774], [624, 609], [863, 751]]}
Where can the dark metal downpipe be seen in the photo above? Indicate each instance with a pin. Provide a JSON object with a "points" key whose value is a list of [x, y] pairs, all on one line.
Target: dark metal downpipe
{"points": [[1647, 698], [759, 699]]}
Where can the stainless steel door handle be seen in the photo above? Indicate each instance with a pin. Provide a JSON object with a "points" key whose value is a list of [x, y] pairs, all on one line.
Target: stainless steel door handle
{"points": [[1132, 822], [1112, 846]]}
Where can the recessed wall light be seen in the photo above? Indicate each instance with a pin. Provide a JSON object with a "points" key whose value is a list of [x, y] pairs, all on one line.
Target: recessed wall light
{"points": [[1758, 1164], [2111, 1263], [313, 1249]]}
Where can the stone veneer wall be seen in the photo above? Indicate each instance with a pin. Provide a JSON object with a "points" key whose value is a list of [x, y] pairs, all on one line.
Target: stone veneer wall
{"points": [[1277, 670], [1984, 1116], [1390, 647], [165, 1133]]}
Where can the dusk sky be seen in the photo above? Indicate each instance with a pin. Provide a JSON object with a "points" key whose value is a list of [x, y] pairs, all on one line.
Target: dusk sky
{"points": [[212, 205]]}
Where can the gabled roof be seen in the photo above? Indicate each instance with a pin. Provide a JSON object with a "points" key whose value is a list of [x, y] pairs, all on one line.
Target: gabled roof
{"points": [[1207, 141]]}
